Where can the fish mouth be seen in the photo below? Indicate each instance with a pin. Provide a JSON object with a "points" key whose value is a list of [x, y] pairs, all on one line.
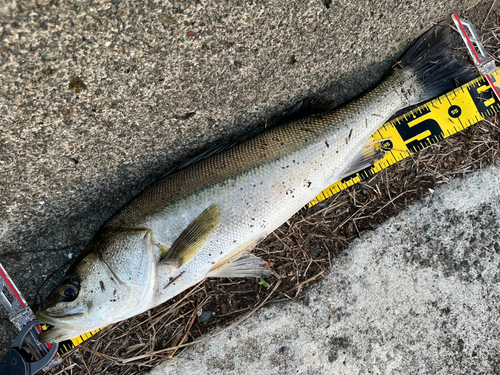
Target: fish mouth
{"points": [[54, 318]]}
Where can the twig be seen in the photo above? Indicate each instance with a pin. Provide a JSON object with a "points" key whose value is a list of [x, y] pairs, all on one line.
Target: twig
{"points": [[492, 5]]}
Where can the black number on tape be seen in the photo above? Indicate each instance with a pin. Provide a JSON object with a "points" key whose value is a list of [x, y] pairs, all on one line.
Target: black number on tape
{"points": [[480, 98], [455, 111], [408, 132]]}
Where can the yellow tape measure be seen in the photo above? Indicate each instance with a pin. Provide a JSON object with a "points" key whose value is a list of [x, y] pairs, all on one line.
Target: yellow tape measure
{"points": [[405, 135], [426, 125], [66, 345]]}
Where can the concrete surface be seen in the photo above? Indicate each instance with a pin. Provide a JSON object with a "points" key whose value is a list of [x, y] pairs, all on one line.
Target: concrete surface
{"points": [[419, 295], [158, 81]]}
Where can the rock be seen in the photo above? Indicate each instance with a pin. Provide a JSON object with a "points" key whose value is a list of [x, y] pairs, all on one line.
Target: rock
{"points": [[205, 316]]}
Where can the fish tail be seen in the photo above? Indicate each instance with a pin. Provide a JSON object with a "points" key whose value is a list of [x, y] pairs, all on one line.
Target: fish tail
{"points": [[434, 69]]}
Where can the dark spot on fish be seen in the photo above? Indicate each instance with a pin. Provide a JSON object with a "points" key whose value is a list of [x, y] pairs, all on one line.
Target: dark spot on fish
{"points": [[327, 145], [350, 133], [114, 292], [102, 286], [173, 279], [309, 183], [327, 3]]}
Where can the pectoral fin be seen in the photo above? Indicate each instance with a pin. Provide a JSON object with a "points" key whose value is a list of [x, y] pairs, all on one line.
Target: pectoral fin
{"points": [[193, 237], [368, 156]]}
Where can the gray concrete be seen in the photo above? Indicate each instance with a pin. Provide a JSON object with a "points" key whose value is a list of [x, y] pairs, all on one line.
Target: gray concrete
{"points": [[419, 295], [163, 80]]}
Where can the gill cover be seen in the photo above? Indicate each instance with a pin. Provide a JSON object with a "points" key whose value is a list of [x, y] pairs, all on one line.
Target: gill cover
{"points": [[113, 281]]}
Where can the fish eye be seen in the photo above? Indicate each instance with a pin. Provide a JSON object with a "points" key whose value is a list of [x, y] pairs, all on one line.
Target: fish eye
{"points": [[69, 288]]}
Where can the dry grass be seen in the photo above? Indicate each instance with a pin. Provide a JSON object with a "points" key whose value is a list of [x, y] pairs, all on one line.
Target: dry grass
{"points": [[301, 250]]}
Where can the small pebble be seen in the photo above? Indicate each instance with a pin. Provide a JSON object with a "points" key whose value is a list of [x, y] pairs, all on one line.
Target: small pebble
{"points": [[205, 316]]}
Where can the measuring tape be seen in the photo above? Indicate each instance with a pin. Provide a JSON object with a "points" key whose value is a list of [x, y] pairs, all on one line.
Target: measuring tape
{"points": [[426, 125], [66, 345]]}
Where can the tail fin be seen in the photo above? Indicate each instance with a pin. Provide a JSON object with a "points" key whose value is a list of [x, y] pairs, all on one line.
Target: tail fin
{"points": [[429, 58]]}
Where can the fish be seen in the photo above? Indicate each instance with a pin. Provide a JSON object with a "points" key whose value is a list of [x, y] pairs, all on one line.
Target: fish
{"points": [[203, 220]]}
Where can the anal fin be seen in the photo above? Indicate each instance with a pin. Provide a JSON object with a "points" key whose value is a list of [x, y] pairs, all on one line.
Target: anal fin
{"points": [[241, 264], [247, 265], [368, 156]]}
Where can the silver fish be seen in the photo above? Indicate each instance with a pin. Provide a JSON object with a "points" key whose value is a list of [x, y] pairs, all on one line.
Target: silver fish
{"points": [[202, 221]]}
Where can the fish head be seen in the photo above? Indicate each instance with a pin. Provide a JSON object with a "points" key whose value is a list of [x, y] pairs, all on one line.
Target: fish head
{"points": [[112, 280]]}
